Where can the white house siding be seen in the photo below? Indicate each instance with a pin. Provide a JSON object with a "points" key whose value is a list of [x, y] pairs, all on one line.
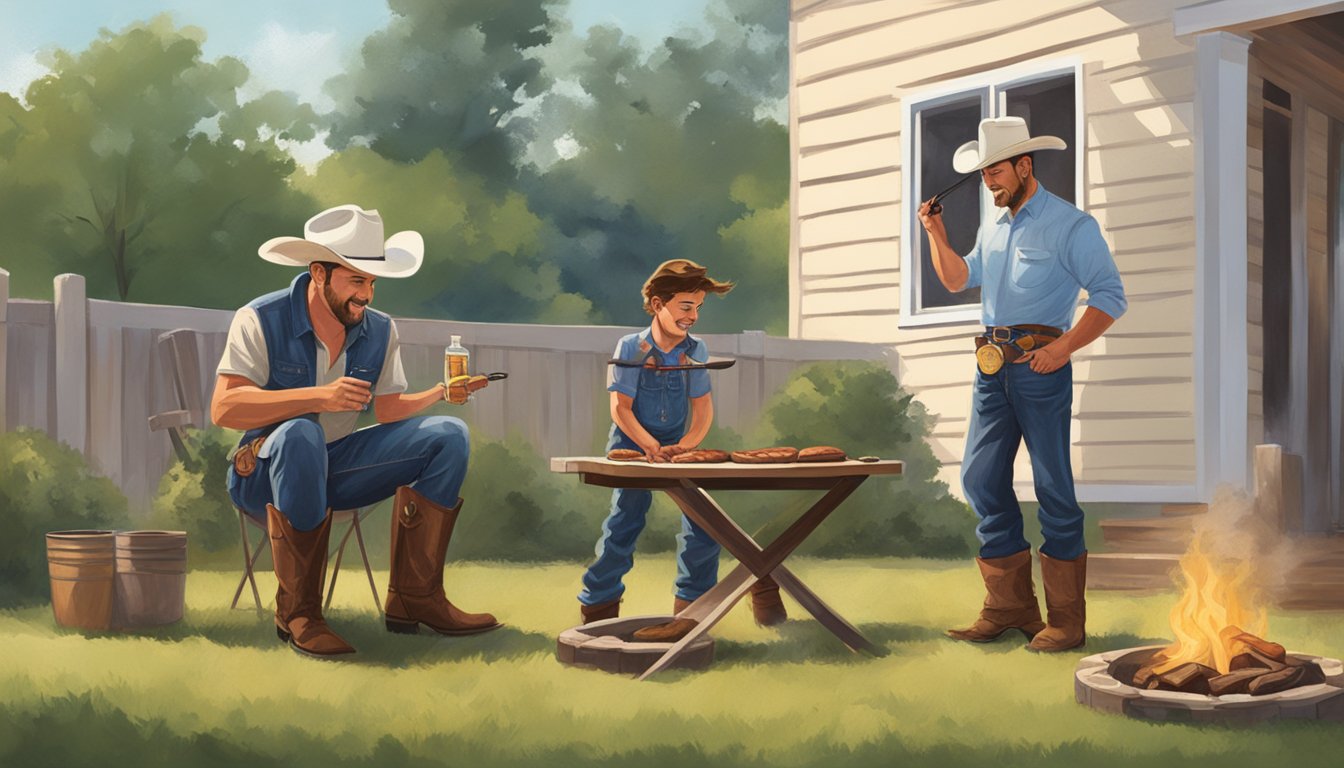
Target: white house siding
{"points": [[852, 61], [1255, 253]]}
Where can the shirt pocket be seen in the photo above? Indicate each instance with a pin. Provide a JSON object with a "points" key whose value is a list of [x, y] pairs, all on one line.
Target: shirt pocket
{"points": [[363, 373], [1033, 267], [289, 375]]}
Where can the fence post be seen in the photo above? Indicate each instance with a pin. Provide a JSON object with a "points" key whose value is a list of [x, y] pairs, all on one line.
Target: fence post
{"points": [[72, 362], [4, 337]]}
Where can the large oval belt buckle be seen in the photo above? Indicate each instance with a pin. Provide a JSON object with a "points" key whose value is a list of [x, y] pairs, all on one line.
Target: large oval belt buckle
{"points": [[989, 358]]}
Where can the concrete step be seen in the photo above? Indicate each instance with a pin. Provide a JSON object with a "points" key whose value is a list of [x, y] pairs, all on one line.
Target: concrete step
{"points": [[1131, 570], [1169, 535]]}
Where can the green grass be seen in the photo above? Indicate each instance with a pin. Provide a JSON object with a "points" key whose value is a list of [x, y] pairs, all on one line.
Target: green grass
{"points": [[219, 689]]}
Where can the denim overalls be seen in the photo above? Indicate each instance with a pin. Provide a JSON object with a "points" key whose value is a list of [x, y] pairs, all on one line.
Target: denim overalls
{"points": [[662, 407]]}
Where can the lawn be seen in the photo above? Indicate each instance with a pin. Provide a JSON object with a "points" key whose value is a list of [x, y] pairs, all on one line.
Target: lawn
{"points": [[219, 689]]}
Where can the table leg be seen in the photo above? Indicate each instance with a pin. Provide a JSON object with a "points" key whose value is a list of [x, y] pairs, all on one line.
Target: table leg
{"points": [[823, 613], [716, 611]]}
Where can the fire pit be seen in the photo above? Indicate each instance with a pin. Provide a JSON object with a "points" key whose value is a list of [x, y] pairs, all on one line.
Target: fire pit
{"points": [[1096, 686], [1215, 671]]}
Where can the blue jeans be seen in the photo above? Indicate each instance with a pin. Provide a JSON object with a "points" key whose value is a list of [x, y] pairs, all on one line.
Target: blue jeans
{"points": [[1012, 405], [302, 475], [697, 551]]}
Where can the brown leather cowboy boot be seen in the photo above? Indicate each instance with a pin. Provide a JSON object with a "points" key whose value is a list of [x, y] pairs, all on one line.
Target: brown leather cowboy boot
{"points": [[679, 605], [420, 533], [766, 606], [1010, 602], [1065, 602], [608, 610], [300, 559]]}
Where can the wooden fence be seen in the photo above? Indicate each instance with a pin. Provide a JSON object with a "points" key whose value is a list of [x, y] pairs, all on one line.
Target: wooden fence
{"points": [[89, 373]]}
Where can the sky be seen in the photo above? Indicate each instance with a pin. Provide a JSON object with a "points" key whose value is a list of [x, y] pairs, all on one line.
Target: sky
{"points": [[292, 45]]}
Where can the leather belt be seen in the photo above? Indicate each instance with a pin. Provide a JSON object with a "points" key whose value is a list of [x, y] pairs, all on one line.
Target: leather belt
{"points": [[1002, 345]]}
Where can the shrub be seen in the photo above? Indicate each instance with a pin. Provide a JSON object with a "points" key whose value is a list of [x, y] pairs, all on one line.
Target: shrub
{"points": [[45, 486], [193, 494], [860, 407], [515, 509]]}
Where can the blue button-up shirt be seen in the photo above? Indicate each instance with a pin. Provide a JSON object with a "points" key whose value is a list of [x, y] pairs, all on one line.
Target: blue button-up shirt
{"points": [[1032, 265]]}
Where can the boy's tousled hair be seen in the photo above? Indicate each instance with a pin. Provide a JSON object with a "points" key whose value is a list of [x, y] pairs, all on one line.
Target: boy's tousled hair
{"points": [[680, 276]]}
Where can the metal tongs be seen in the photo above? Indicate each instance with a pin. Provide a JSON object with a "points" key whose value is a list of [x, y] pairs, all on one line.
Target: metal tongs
{"points": [[936, 203], [711, 365]]}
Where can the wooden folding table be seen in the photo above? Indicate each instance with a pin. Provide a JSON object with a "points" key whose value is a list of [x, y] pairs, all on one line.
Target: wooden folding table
{"points": [[689, 484]]}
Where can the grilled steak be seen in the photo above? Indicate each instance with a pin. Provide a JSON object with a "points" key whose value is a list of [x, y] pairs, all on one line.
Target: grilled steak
{"points": [[702, 456], [626, 454], [765, 456], [821, 453]]}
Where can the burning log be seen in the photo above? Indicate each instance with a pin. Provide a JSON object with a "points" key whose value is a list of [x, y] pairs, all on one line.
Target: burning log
{"points": [[1273, 682], [1188, 678], [1236, 682], [1260, 645], [1255, 660]]}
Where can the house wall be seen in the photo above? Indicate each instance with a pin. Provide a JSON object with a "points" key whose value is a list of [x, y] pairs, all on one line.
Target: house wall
{"points": [[854, 61], [1255, 252]]}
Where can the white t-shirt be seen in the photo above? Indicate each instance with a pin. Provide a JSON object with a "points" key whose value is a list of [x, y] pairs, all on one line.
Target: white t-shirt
{"points": [[245, 355]]}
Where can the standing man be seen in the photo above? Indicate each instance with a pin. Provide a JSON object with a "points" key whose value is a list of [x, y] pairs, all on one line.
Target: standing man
{"points": [[1030, 262], [300, 365]]}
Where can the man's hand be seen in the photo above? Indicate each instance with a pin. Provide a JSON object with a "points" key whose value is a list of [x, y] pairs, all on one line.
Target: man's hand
{"points": [[1047, 359], [344, 394], [933, 222], [459, 388]]}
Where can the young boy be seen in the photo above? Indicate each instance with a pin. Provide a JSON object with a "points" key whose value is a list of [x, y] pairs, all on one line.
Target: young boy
{"points": [[662, 413]]}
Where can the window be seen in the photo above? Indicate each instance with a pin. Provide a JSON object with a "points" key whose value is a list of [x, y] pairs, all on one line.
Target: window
{"points": [[939, 123]]}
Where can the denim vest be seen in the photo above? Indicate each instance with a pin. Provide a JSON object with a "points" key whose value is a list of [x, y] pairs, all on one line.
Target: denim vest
{"points": [[291, 344]]}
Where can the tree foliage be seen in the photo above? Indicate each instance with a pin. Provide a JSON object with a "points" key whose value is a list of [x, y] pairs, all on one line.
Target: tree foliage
{"points": [[550, 169]]}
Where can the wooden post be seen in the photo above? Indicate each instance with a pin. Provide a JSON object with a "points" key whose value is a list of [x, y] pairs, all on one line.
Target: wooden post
{"points": [[4, 336], [1278, 488], [72, 361]]}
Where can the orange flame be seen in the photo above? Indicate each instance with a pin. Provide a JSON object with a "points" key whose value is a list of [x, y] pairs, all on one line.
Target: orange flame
{"points": [[1221, 598]]}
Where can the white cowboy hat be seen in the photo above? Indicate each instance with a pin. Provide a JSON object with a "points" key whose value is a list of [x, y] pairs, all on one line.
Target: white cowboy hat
{"points": [[352, 237], [1000, 139]]}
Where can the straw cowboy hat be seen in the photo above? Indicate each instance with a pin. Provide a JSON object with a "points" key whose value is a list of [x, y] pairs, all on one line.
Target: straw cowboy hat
{"points": [[1000, 139], [352, 237]]}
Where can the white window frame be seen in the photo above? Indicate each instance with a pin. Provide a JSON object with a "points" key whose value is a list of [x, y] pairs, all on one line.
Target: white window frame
{"points": [[993, 85]]}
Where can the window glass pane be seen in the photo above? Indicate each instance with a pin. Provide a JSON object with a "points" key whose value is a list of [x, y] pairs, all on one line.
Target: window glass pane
{"points": [[1049, 109], [943, 129]]}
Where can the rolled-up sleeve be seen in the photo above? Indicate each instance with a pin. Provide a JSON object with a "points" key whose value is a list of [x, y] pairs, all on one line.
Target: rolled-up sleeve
{"points": [[699, 379], [620, 378], [974, 266], [1091, 262], [245, 351]]}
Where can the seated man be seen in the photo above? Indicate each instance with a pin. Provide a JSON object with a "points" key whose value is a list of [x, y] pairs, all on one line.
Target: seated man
{"points": [[300, 365]]}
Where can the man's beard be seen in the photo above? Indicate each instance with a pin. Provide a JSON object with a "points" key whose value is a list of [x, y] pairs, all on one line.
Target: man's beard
{"points": [[1016, 198], [341, 308]]}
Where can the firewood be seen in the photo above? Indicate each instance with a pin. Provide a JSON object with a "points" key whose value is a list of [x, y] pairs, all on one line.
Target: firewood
{"points": [[1143, 676], [1188, 678], [1252, 659], [1273, 682], [1236, 682], [1262, 646]]}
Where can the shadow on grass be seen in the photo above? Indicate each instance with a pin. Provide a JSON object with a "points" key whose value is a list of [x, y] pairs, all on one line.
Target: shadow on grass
{"points": [[373, 643], [807, 641]]}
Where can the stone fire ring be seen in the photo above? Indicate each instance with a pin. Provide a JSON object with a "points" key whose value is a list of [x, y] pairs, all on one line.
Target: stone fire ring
{"points": [[1093, 686], [606, 645]]}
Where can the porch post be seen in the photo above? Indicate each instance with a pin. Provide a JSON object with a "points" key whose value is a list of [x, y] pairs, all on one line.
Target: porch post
{"points": [[1221, 357]]}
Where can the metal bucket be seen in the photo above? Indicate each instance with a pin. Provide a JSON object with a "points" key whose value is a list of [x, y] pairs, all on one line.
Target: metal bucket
{"points": [[82, 565], [151, 583]]}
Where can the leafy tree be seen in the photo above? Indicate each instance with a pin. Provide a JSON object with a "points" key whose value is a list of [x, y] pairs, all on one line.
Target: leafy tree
{"points": [[447, 76], [484, 260], [124, 178]]}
